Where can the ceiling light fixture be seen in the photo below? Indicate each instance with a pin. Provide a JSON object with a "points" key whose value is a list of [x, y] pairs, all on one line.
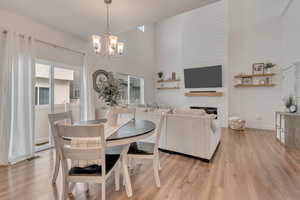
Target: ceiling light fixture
{"points": [[107, 44]]}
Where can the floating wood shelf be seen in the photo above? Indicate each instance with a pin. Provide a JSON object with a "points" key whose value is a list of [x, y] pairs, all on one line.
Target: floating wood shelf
{"points": [[255, 85], [204, 94], [165, 81], [254, 75], [168, 88]]}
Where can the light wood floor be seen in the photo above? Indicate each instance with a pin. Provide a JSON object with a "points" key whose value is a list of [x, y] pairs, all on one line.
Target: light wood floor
{"points": [[252, 165]]}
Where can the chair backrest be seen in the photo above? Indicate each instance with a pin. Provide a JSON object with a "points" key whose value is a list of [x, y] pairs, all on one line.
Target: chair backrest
{"points": [[120, 111], [56, 117], [74, 153], [115, 113], [159, 129]]}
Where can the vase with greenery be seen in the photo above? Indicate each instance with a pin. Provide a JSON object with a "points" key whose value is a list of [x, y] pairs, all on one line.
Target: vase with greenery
{"points": [[289, 102], [268, 67], [110, 90]]}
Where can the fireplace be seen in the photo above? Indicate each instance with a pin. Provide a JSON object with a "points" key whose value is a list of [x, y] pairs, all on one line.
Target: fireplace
{"points": [[208, 110]]}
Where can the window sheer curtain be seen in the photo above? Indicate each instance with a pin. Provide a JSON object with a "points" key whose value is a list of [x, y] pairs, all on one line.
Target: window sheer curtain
{"points": [[18, 93], [5, 99]]}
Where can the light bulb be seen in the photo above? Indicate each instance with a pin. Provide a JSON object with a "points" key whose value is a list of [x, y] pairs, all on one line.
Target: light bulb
{"points": [[96, 43], [113, 42], [120, 49]]}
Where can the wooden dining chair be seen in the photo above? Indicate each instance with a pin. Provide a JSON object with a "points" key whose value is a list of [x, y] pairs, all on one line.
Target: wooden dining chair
{"points": [[147, 150], [53, 118], [95, 173], [115, 113]]}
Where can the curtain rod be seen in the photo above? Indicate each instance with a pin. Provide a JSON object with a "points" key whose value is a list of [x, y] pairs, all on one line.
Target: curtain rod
{"points": [[51, 44]]}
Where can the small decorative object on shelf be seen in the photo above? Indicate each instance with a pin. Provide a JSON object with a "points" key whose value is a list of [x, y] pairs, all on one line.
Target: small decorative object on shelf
{"points": [[268, 67], [247, 80], [258, 68], [262, 81], [173, 75], [160, 75]]}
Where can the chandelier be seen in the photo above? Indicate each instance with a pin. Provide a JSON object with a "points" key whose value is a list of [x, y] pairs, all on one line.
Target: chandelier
{"points": [[107, 44]]}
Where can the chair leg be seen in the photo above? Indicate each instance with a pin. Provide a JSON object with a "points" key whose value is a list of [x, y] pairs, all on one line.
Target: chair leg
{"points": [[125, 173], [155, 169], [103, 191], [72, 186], [159, 165], [86, 188], [56, 168], [117, 177], [65, 190]]}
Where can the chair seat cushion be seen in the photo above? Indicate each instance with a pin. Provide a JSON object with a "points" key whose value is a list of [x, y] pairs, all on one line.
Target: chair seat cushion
{"points": [[95, 170], [141, 148]]}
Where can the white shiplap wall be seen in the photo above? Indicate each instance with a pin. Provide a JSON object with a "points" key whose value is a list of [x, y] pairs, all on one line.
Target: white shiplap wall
{"points": [[197, 38]]}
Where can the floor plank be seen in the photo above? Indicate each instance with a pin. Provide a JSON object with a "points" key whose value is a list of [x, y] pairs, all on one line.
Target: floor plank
{"points": [[247, 166]]}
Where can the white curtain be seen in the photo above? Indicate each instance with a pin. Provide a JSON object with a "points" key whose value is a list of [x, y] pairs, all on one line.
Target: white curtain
{"points": [[87, 108], [22, 72], [5, 99]]}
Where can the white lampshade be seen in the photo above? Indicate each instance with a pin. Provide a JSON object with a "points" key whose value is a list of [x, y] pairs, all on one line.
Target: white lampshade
{"points": [[113, 41], [96, 43], [120, 49], [111, 51]]}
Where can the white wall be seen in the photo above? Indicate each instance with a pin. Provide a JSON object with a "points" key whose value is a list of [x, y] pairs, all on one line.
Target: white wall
{"points": [[197, 38], [25, 25], [291, 50], [291, 33], [253, 40]]}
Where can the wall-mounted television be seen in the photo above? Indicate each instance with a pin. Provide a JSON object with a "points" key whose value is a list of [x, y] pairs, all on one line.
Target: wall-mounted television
{"points": [[203, 77]]}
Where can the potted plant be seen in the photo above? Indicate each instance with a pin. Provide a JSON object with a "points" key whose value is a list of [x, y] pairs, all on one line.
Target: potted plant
{"points": [[110, 90], [268, 67], [290, 104], [160, 75]]}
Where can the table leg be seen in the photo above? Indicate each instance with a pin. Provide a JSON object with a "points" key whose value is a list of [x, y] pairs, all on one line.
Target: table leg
{"points": [[125, 171]]}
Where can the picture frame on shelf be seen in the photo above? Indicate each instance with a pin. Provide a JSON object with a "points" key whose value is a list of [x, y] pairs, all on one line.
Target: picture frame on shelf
{"points": [[258, 68]]}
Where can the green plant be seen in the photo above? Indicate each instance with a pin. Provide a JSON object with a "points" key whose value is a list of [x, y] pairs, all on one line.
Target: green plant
{"points": [[110, 90], [289, 101], [269, 65], [160, 75]]}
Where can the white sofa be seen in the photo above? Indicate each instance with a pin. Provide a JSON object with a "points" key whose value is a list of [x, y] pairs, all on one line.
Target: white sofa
{"points": [[192, 133]]}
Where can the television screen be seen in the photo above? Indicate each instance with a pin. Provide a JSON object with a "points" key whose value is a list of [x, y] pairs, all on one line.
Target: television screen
{"points": [[203, 77]]}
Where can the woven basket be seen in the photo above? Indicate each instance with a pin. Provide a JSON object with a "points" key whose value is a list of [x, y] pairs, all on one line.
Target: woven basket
{"points": [[237, 124]]}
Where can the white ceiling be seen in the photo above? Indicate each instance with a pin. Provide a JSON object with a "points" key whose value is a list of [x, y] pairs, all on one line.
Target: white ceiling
{"points": [[85, 17]]}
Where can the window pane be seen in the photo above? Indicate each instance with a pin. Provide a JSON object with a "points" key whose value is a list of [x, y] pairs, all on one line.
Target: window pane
{"points": [[44, 96], [135, 90], [124, 88]]}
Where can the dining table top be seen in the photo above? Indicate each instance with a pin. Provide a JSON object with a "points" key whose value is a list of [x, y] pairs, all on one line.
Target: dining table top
{"points": [[125, 128]]}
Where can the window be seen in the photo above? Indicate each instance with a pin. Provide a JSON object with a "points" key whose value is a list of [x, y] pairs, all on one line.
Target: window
{"points": [[132, 89], [42, 95]]}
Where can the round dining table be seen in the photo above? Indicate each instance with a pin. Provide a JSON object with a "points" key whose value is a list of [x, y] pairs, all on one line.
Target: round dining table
{"points": [[132, 131]]}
